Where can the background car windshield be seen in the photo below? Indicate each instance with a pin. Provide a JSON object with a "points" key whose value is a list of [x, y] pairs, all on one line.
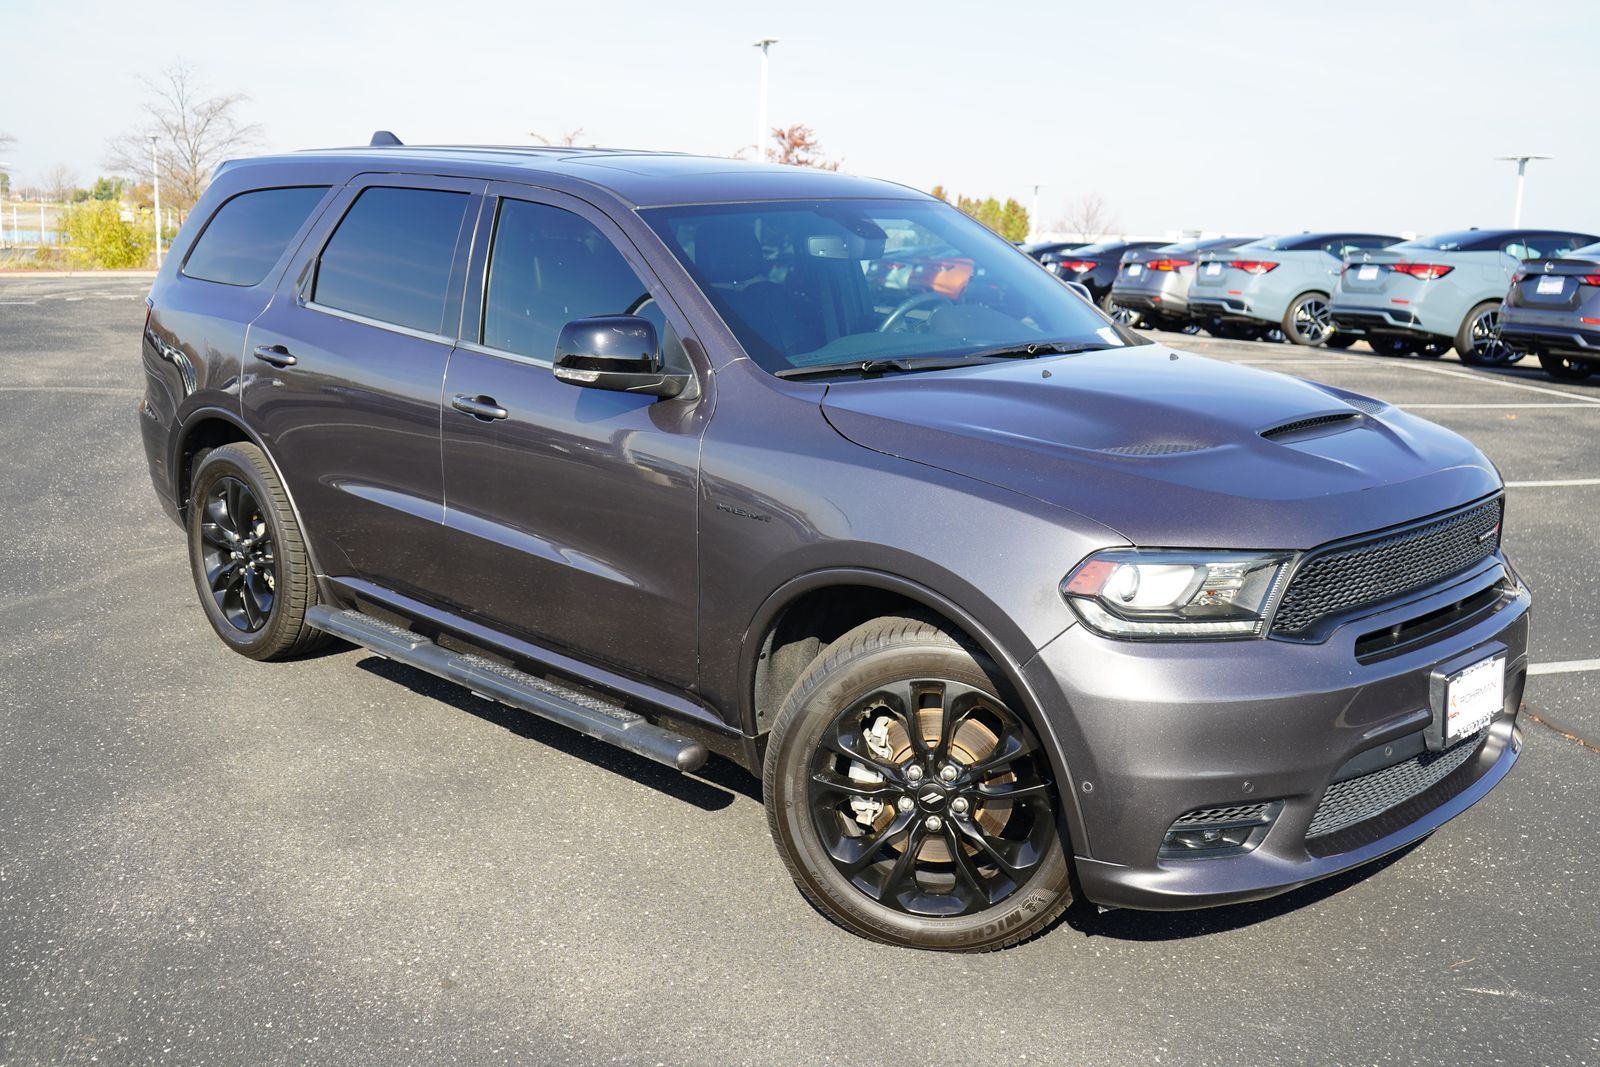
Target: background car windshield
{"points": [[809, 283], [1443, 242]]}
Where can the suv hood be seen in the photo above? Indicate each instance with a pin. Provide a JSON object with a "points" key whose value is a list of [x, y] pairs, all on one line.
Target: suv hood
{"points": [[1171, 449]]}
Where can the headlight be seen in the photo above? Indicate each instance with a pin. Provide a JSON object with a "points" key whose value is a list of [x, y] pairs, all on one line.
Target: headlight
{"points": [[1131, 592]]}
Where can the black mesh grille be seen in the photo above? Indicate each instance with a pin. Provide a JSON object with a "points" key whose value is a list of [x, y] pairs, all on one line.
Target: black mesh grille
{"points": [[1349, 576], [1370, 406], [1301, 425], [1358, 799], [1252, 813], [1158, 449]]}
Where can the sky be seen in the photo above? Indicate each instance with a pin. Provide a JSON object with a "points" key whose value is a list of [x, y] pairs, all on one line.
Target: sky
{"points": [[1228, 117]]}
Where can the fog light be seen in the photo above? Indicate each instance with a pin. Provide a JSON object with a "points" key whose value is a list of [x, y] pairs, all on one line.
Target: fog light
{"points": [[1219, 831]]}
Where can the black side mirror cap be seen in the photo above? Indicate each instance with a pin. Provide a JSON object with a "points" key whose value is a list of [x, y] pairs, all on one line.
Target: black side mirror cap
{"points": [[616, 352]]}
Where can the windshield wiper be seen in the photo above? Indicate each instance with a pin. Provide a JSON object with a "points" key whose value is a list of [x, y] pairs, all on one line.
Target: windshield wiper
{"points": [[871, 368]]}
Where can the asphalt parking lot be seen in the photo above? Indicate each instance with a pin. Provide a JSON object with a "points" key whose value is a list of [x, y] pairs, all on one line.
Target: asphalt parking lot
{"points": [[207, 859]]}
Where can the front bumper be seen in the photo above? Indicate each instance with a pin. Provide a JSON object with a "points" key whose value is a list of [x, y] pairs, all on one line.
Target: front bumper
{"points": [[1150, 731]]}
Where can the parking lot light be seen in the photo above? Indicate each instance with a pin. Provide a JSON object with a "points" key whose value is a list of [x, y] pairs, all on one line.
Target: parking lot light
{"points": [[1522, 170], [761, 115]]}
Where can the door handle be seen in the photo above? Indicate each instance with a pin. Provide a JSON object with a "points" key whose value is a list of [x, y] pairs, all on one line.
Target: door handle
{"points": [[276, 355], [479, 407]]}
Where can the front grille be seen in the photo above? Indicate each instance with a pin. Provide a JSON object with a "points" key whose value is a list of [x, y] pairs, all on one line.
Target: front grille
{"points": [[1356, 800], [1379, 568]]}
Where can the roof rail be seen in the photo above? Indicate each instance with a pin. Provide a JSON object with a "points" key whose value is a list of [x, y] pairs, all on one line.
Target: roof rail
{"points": [[383, 139]]}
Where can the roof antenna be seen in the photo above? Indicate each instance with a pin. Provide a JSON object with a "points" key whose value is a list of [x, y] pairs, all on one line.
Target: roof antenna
{"points": [[383, 139]]}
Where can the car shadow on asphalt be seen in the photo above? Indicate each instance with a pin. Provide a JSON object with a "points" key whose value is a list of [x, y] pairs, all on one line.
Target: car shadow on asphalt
{"points": [[1125, 925], [714, 787]]}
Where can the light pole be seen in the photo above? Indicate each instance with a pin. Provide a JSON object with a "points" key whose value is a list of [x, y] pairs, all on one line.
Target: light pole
{"points": [[1522, 169], [155, 178], [1033, 215], [761, 116]]}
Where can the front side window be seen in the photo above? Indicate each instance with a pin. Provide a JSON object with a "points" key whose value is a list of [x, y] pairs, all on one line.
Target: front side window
{"points": [[391, 256], [816, 283], [548, 266], [248, 233]]}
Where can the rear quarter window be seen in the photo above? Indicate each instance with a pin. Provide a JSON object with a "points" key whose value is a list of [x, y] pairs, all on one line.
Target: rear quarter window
{"points": [[391, 256], [248, 233]]}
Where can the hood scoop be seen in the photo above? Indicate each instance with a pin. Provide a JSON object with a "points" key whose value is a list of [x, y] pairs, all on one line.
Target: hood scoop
{"points": [[1314, 426], [1155, 448]]}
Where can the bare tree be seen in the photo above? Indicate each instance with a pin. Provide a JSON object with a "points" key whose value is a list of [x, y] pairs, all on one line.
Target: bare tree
{"points": [[194, 133], [59, 183], [565, 140], [1088, 217], [798, 147]]}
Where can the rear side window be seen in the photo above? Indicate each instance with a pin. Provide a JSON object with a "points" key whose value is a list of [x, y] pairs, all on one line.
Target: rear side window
{"points": [[547, 267], [391, 256], [248, 234]]}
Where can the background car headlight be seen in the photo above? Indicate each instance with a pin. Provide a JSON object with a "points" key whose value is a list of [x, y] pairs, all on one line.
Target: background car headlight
{"points": [[1130, 592]]}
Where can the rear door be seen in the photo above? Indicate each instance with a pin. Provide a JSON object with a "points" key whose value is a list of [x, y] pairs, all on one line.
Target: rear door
{"points": [[570, 520], [343, 372]]}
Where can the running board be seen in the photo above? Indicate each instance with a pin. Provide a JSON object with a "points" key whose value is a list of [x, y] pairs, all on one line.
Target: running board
{"points": [[599, 719]]}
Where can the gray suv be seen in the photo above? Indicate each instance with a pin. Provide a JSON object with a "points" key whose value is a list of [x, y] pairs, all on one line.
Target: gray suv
{"points": [[1004, 605]]}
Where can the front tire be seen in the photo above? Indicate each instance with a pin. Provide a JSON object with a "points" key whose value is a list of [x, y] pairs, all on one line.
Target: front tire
{"points": [[909, 800], [247, 556]]}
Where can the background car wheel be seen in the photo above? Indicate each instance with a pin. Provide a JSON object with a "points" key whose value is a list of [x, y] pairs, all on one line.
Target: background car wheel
{"points": [[1306, 320], [1478, 341], [1125, 315], [1340, 340], [248, 558], [1565, 369], [910, 800]]}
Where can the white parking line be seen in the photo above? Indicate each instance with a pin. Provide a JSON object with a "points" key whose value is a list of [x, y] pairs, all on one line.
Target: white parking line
{"points": [[18, 301], [1552, 484], [1490, 379], [1571, 666], [1462, 407]]}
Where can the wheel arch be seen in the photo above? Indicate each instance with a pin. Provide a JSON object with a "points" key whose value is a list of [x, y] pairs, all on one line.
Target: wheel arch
{"points": [[209, 427], [762, 684]]}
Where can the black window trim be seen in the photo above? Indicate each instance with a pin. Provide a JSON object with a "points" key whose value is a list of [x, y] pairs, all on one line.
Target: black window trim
{"points": [[474, 302], [289, 247], [466, 238]]}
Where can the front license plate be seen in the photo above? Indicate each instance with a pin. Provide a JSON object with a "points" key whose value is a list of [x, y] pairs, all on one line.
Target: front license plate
{"points": [[1550, 285], [1473, 697], [1367, 273], [1134, 270], [1213, 269]]}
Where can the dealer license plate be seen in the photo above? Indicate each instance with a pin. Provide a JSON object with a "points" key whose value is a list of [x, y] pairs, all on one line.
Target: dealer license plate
{"points": [[1550, 285], [1473, 697], [1213, 269], [1367, 273], [1134, 270]]}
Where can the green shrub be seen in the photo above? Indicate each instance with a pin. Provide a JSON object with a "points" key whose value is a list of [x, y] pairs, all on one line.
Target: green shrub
{"points": [[97, 236]]}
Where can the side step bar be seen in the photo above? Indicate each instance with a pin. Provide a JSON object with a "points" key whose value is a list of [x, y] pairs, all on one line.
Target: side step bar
{"points": [[582, 712]]}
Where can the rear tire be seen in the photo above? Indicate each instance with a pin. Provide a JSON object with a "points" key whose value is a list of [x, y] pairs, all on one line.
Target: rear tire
{"points": [[1564, 369], [1340, 340], [1478, 340], [247, 557], [1306, 321], [895, 833], [1126, 316]]}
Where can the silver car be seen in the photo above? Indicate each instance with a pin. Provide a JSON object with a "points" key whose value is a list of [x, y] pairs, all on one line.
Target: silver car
{"points": [[1153, 283], [1281, 282], [1553, 311], [1421, 297]]}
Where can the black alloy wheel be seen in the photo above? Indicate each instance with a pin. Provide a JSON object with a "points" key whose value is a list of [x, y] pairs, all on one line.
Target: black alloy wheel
{"points": [[240, 565], [1479, 343], [1307, 321], [961, 806]]}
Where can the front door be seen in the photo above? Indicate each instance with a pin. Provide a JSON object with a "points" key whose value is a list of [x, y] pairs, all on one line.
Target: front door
{"points": [[343, 372], [569, 512]]}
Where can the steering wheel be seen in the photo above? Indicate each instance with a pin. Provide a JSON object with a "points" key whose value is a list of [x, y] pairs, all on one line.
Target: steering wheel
{"points": [[897, 317]]}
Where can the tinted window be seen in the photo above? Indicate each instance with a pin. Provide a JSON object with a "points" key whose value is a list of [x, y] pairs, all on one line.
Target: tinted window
{"points": [[547, 267], [248, 234], [390, 258], [1458, 241], [1542, 245], [807, 284], [1203, 243]]}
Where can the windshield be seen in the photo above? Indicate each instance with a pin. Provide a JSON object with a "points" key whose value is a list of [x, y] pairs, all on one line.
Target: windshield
{"points": [[806, 284]]}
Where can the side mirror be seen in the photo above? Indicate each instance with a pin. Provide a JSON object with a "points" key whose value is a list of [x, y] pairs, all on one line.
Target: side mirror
{"points": [[616, 352], [1081, 289]]}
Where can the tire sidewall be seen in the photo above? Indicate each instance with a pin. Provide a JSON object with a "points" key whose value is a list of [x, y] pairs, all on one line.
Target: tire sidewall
{"points": [[231, 461], [1028, 909], [1291, 330], [1463, 340]]}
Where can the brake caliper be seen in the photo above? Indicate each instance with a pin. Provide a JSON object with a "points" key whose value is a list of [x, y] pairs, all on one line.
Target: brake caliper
{"points": [[867, 809]]}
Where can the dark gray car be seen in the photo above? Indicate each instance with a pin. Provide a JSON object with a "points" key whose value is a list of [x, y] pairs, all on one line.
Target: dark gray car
{"points": [[1553, 311], [1003, 604]]}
